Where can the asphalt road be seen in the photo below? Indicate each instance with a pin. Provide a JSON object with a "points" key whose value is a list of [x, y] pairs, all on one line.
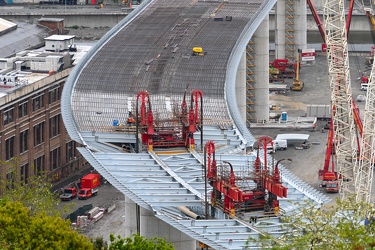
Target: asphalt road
{"points": [[113, 222]]}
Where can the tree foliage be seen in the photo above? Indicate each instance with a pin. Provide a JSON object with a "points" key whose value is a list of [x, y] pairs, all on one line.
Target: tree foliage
{"points": [[138, 242], [33, 193], [346, 225], [21, 229]]}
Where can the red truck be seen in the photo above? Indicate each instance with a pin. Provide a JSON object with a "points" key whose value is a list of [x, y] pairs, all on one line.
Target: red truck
{"points": [[89, 184]]}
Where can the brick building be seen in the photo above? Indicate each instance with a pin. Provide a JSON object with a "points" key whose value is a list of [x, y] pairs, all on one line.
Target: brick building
{"points": [[31, 126]]}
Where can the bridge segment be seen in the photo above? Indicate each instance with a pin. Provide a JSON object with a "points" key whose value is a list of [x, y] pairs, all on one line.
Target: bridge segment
{"points": [[151, 50]]}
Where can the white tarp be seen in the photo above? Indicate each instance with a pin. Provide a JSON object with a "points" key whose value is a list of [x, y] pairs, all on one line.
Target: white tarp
{"points": [[293, 137]]}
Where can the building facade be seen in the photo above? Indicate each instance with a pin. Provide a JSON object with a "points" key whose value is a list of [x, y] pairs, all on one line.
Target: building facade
{"points": [[32, 131]]}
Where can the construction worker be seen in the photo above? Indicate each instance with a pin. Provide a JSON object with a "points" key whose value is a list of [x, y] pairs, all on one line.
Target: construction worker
{"points": [[131, 119]]}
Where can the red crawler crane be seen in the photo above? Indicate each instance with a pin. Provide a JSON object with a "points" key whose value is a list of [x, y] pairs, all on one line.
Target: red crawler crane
{"points": [[235, 197], [326, 175]]}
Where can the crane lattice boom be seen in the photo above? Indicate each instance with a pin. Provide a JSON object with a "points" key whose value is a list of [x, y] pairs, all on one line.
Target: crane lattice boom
{"points": [[340, 87], [366, 160]]}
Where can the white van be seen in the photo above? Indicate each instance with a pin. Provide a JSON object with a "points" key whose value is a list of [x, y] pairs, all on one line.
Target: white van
{"points": [[280, 144], [364, 86]]}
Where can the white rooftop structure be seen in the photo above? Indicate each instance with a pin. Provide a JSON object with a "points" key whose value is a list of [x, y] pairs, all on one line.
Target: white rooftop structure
{"points": [[59, 42]]}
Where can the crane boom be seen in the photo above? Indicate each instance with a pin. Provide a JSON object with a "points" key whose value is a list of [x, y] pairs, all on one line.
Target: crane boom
{"points": [[340, 88], [366, 159]]}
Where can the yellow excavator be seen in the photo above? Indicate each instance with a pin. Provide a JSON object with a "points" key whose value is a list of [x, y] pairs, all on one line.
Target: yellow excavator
{"points": [[297, 84]]}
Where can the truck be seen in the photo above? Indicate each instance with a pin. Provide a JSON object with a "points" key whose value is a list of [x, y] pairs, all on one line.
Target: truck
{"points": [[69, 194], [280, 144], [89, 184], [276, 145]]}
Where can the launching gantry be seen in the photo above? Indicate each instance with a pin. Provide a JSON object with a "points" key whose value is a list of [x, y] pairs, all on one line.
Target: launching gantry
{"points": [[175, 132], [261, 192]]}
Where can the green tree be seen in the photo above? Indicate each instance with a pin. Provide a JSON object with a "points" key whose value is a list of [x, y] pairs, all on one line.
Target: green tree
{"points": [[33, 192], [341, 226], [137, 242], [22, 229]]}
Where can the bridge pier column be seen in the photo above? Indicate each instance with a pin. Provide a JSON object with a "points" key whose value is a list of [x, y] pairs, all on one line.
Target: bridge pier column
{"points": [[241, 86], [130, 217], [300, 25], [261, 40], [152, 226], [280, 29]]}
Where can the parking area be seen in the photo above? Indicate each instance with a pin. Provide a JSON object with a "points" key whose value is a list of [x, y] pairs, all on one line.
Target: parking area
{"points": [[113, 222]]}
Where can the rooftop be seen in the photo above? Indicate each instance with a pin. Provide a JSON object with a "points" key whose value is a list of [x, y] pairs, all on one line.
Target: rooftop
{"points": [[60, 37], [12, 79]]}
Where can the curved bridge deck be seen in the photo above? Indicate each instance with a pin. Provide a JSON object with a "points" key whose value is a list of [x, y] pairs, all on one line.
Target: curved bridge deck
{"points": [[151, 50]]}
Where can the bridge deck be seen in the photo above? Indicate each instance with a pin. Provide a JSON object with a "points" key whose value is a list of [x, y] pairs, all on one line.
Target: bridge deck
{"points": [[151, 50]]}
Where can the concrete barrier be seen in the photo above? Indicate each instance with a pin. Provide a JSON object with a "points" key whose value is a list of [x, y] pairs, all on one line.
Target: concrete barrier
{"points": [[111, 208]]}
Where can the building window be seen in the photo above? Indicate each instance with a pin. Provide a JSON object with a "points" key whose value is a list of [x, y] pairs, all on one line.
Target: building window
{"points": [[54, 126], [24, 173], [39, 165], [54, 95], [24, 138], [23, 109], [70, 150], [54, 159], [9, 148], [8, 115], [38, 133], [38, 102]]}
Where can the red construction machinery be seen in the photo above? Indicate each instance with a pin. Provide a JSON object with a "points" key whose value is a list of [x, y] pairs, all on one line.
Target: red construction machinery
{"points": [[328, 175], [284, 68], [227, 192], [89, 184], [173, 132]]}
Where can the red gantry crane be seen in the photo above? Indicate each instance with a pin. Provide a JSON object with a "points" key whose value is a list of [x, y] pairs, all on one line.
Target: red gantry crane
{"points": [[226, 191], [176, 132]]}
